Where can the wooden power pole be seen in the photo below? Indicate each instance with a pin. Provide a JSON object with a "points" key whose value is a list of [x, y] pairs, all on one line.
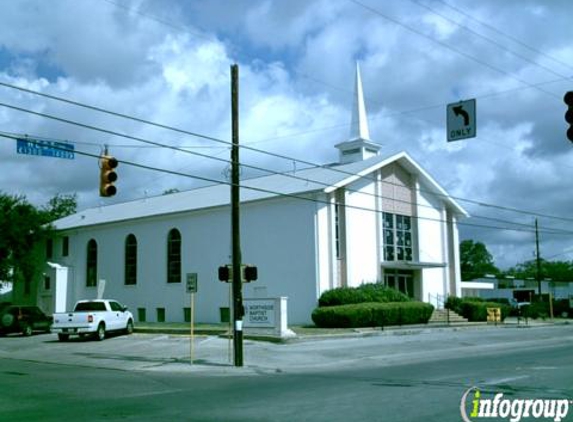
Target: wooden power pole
{"points": [[537, 259], [238, 310]]}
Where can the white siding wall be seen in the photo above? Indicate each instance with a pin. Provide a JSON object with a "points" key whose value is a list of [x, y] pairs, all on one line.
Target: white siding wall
{"points": [[362, 245], [277, 236], [431, 236]]}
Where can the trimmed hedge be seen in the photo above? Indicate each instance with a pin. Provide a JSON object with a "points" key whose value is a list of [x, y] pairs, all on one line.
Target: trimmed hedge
{"points": [[536, 310], [372, 314], [475, 309], [365, 293]]}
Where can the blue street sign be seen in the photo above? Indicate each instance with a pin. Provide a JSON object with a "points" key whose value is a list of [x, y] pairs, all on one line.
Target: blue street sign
{"points": [[42, 148]]}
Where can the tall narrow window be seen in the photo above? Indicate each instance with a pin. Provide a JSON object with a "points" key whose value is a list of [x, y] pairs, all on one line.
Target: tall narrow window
{"points": [[65, 246], [130, 259], [339, 224], [91, 264], [174, 256]]}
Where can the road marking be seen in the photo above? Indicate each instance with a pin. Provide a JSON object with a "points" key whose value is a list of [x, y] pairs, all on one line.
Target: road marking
{"points": [[152, 393], [542, 368], [496, 381]]}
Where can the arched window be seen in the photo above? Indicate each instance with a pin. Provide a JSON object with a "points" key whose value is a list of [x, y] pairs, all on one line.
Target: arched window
{"points": [[91, 264], [174, 256], [130, 259]]}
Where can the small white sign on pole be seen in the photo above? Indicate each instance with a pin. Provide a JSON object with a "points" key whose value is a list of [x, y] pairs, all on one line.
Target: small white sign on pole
{"points": [[191, 287], [191, 283]]}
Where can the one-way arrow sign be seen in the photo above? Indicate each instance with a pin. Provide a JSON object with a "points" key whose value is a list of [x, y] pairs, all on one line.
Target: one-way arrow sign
{"points": [[461, 119]]}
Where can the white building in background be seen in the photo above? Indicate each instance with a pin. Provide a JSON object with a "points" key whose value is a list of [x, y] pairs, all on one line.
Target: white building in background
{"points": [[367, 218]]}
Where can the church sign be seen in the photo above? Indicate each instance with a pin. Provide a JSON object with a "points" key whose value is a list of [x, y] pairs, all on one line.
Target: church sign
{"points": [[259, 313]]}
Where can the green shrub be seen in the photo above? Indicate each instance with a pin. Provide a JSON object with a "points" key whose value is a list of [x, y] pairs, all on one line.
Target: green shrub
{"points": [[454, 303], [372, 292], [373, 314], [477, 311], [502, 300], [560, 307], [536, 310], [475, 308], [343, 316]]}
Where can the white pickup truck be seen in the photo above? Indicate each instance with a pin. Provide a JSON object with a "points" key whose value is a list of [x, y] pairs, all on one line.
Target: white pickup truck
{"points": [[93, 317]]}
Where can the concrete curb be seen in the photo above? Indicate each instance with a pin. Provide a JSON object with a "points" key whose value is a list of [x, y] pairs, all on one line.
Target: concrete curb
{"points": [[358, 332]]}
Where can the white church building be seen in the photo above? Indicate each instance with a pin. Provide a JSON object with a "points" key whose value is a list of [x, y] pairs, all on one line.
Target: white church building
{"points": [[367, 218]]}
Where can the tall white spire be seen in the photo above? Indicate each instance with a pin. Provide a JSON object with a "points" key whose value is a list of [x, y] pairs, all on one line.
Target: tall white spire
{"points": [[359, 122], [359, 147]]}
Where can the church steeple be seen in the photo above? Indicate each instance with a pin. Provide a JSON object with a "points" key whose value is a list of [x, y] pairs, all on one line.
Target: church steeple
{"points": [[359, 147], [359, 122]]}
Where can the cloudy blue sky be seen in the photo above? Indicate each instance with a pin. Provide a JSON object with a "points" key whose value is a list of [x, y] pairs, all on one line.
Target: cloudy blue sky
{"points": [[168, 61]]}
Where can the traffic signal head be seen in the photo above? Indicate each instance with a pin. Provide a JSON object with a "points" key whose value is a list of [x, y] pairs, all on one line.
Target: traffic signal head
{"points": [[250, 273], [107, 176], [224, 273], [568, 99]]}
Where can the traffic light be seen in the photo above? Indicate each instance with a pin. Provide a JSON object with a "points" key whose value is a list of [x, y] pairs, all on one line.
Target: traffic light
{"points": [[568, 98], [250, 273], [225, 273], [107, 176]]}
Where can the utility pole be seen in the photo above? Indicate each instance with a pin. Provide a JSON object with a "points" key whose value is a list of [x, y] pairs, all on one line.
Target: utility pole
{"points": [[538, 259], [238, 310]]}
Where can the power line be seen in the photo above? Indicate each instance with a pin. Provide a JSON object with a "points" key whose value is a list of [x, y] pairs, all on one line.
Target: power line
{"points": [[177, 130], [491, 41], [505, 34], [297, 196], [414, 203], [272, 172], [449, 47], [159, 20], [306, 76]]}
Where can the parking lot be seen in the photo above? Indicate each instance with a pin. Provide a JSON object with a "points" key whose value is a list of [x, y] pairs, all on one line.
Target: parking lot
{"points": [[134, 352]]}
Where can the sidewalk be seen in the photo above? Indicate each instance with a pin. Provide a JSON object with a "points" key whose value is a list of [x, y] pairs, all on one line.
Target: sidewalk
{"points": [[314, 333]]}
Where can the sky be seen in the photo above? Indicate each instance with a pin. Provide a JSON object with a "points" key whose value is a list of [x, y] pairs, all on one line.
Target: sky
{"points": [[168, 61]]}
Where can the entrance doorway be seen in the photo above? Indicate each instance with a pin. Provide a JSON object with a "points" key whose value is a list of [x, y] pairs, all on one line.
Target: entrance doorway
{"points": [[402, 280]]}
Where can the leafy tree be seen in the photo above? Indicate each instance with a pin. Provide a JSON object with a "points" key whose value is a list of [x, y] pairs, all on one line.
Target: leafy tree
{"points": [[475, 260], [555, 270], [60, 206], [24, 230]]}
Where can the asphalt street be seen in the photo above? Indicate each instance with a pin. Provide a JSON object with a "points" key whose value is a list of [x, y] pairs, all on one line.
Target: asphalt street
{"points": [[417, 376]]}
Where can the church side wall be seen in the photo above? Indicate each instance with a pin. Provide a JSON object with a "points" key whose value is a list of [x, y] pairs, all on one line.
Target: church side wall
{"points": [[431, 229], [277, 235]]}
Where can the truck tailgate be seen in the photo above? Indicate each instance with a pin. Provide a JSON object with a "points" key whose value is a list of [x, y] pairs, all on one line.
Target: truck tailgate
{"points": [[71, 320]]}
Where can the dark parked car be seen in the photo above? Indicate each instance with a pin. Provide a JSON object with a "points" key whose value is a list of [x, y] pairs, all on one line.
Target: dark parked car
{"points": [[24, 319]]}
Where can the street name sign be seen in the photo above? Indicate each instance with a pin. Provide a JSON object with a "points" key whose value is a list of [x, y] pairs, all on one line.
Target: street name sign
{"points": [[461, 120], [29, 146]]}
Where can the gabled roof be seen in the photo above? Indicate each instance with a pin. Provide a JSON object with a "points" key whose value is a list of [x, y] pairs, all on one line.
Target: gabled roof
{"points": [[412, 167], [325, 179]]}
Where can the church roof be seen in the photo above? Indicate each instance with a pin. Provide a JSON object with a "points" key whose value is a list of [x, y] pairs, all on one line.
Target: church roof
{"points": [[319, 179]]}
